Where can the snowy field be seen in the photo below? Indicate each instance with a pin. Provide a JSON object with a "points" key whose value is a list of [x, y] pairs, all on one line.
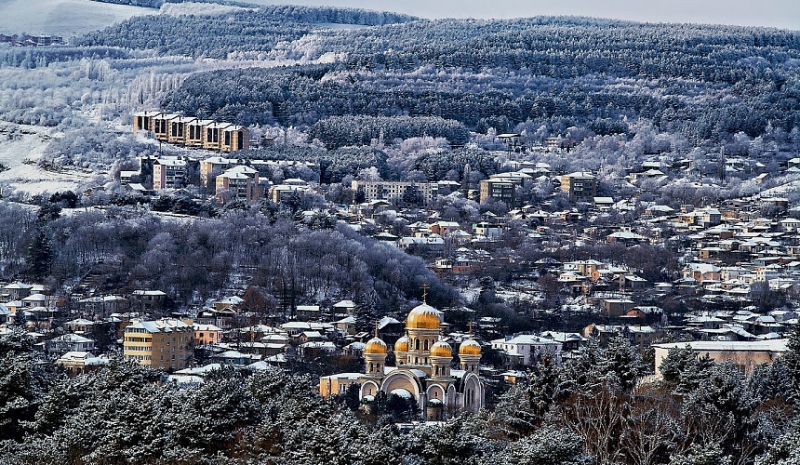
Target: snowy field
{"points": [[21, 146], [66, 18]]}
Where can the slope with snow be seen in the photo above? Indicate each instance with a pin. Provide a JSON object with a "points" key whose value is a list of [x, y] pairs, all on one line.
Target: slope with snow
{"points": [[21, 146], [66, 18]]}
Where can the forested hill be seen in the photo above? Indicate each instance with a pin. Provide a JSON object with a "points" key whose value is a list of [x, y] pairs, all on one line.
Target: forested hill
{"points": [[702, 81], [214, 36]]}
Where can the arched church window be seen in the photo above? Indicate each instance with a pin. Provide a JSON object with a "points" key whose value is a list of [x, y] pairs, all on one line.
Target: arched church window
{"points": [[426, 345], [417, 344]]}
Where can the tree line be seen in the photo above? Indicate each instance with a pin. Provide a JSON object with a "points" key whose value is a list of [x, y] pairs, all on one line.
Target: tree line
{"points": [[589, 411]]}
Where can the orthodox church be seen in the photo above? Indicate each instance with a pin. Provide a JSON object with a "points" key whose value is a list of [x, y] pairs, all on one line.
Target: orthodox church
{"points": [[423, 370]]}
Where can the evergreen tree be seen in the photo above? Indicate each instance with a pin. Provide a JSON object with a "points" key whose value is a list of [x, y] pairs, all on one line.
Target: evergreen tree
{"points": [[791, 360]]}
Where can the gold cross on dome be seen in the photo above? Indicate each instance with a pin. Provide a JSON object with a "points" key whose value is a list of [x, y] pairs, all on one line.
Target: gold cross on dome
{"points": [[377, 323], [425, 293], [470, 324]]}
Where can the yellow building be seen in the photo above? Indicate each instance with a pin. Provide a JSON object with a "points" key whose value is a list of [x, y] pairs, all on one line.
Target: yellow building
{"points": [[423, 372], [164, 344]]}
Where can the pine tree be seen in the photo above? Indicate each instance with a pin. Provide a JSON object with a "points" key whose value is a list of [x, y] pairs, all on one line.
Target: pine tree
{"points": [[791, 360]]}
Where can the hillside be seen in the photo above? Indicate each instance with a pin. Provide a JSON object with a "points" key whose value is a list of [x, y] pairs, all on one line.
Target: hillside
{"points": [[64, 18]]}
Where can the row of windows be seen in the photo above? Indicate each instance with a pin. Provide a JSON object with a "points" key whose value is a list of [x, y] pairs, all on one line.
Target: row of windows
{"points": [[180, 339], [139, 358], [137, 348], [137, 339]]}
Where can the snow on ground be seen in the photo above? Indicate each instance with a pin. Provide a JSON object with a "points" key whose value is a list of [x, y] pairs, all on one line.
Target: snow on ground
{"points": [[21, 146], [66, 18], [184, 9], [789, 188]]}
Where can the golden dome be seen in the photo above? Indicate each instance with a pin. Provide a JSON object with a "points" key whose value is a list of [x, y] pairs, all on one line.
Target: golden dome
{"points": [[469, 347], [423, 317], [375, 346], [401, 345], [441, 349]]}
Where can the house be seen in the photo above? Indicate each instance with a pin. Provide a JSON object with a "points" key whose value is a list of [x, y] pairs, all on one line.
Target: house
{"points": [[76, 363], [80, 325], [433, 242], [626, 237], [148, 300], [617, 307], [442, 228], [283, 192], [488, 230], [70, 343], [206, 334], [702, 272], [14, 291], [164, 344], [526, 349], [347, 325], [747, 355], [344, 307], [603, 203], [308, 312]]}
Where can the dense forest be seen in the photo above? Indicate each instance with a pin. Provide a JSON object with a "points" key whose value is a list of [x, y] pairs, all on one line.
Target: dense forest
{"points": [[705, 83], [214, 37], [587, 411], [262, 246]]}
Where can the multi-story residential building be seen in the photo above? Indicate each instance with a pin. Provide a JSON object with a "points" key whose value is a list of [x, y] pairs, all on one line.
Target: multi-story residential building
{"points": [[193, 132], [579, 185], [397, 192], [235, 138], [160, 125], [169, 173], [164, 344], [212, 167], [285, 191], [178, 128], [238, 183], [143, 121], [500, 189]]}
